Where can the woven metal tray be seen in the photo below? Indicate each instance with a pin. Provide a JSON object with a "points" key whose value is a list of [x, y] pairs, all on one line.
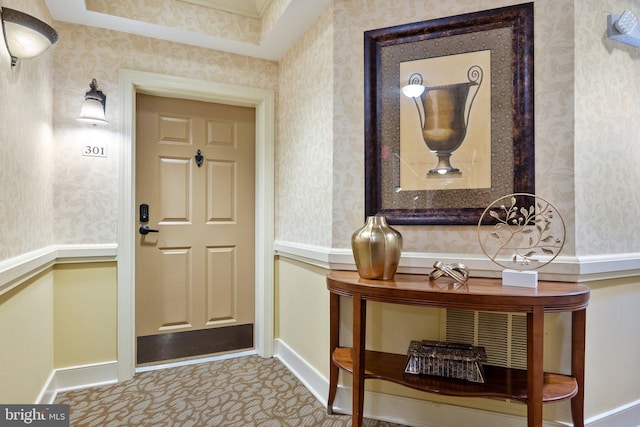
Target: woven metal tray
{"points": [[443, 359]]}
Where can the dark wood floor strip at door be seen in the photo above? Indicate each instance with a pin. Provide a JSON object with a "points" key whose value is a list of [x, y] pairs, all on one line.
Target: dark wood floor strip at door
{"points": [[153, 348]]}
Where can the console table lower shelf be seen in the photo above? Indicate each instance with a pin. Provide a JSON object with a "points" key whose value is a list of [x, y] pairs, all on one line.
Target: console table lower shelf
{"points": [[500, 382], [532, 386]]}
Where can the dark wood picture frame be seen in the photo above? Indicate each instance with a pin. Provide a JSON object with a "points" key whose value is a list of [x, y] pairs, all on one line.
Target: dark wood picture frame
{"points": [[507, 33]]}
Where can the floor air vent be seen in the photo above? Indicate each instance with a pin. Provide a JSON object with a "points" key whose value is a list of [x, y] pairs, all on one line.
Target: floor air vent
{"points": [[503, 335]]}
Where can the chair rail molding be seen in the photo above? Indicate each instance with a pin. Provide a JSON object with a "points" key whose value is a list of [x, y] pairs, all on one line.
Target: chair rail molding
{"points": [[563, 268], [15, 271]]}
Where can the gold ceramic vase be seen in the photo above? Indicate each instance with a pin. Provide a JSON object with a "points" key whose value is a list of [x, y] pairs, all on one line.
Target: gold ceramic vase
{"points": [[376, 249]]}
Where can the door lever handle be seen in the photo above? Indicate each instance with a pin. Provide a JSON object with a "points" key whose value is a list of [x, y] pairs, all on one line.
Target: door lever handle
{"points": [[144, 229]]}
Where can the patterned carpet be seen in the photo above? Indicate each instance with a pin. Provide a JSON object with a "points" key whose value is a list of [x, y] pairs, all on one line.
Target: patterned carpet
{"points": [[239, 392]]}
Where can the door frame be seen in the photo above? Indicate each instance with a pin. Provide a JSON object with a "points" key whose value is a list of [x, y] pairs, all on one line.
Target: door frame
{"points": [[263, 100]]}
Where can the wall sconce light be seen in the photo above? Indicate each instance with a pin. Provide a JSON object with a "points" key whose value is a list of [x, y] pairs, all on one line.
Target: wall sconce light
{"points": [[94, 106], [25, 36], [624, 28]]}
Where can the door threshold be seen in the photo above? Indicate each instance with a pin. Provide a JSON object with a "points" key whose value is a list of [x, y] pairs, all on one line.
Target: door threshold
{"points": [[154, 366]]}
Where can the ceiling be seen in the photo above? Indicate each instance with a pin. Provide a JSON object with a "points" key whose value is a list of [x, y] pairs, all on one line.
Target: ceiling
{"points": [[296, 19], [249, 8]]}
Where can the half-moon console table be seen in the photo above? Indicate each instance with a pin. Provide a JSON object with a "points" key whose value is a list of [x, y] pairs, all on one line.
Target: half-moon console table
{"points": [[532, 386]]}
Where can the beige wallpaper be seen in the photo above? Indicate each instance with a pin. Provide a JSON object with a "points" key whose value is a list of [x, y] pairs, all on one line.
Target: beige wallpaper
{"points": [[561, 119], [553, 98], [26, 146], [191, 17], [607, 133], [273, 12], [86, 188], [304, 151], [320, 147]]}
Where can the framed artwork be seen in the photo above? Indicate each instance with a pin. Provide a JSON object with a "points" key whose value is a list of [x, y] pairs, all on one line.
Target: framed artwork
{"points": [[449, 116]]}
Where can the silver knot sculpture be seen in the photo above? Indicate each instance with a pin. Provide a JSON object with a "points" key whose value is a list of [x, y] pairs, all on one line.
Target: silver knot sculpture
{"points": [[457, 271]]}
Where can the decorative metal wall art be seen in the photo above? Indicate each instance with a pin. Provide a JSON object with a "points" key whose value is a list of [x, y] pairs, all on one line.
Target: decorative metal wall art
{"points": [[521, 232]]}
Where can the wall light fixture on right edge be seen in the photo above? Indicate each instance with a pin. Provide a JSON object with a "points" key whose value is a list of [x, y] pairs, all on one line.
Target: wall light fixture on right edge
{"points": [[624, 28]]}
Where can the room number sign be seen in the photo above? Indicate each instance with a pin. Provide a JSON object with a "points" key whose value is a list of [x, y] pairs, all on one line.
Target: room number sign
{"points": [[94, 150]]}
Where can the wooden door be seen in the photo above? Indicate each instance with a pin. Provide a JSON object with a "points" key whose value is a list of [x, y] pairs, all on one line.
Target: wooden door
{"points": [[195, 172]]}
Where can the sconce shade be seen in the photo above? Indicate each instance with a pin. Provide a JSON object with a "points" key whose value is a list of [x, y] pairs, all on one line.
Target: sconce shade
{"points": [[93, 107], [24, 35]]}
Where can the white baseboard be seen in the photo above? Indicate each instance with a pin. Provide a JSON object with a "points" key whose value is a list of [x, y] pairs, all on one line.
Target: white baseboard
{"points": [[48, 393], [86, 376], [624, 416], [307, 374], [78, 377], [421, 413]]}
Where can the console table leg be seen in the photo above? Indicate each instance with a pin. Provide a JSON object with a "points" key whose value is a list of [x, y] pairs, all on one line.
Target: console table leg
{"points": [[334, 342], [535, 371], [578, 326], [358, 356]]}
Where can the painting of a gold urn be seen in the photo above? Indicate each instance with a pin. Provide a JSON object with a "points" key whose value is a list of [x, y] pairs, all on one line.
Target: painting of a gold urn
{"points": [[444, 105]]}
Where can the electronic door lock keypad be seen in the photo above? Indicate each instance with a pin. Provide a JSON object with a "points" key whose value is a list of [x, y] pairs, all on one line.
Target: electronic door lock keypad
{"points": [[144, 212]]}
